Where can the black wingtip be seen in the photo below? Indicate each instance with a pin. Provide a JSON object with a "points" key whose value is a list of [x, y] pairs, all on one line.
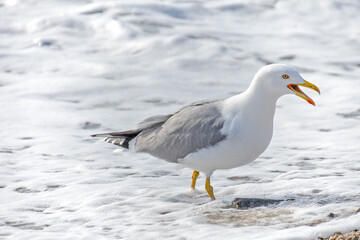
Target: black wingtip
{"points": [[100, 135]]}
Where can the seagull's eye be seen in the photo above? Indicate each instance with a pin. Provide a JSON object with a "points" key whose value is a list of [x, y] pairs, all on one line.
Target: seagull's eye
{"points": [[285, 76]]}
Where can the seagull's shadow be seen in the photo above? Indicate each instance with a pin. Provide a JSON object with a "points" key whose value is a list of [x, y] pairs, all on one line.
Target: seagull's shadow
{"points": [[246, 203]]}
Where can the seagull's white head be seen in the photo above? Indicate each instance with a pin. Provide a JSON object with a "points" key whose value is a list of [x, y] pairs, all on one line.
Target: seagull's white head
{"points": [[282, 79]]}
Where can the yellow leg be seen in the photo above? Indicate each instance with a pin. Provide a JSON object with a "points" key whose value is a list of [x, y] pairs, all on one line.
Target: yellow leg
{"points": [[194, 177], [209, 189]]}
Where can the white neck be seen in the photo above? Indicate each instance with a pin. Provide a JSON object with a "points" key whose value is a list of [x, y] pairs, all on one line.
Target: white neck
{"points": [[261, 101], [255, 101]]}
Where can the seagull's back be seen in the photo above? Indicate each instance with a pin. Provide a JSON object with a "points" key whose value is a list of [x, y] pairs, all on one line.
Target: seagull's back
{"points": [[190, 129]]}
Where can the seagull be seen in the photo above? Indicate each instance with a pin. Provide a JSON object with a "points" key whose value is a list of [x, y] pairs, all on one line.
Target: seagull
{"points": [[217, 134]]}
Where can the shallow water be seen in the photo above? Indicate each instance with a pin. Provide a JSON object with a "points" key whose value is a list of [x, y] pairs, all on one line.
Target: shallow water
{"points": [[69, 69]]}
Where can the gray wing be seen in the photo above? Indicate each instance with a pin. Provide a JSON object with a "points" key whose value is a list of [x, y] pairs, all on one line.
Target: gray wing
{"points": [[153, 121], [123, 138], [191, 128]]}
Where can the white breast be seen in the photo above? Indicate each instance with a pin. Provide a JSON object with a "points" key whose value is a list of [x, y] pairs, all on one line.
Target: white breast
{"points": [[248, 132]]}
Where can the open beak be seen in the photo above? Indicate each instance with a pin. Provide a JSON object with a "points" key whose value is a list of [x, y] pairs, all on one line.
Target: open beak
{"points": [[295, 88]]}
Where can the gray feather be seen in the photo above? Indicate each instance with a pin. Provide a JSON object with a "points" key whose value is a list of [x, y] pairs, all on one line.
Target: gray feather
{"points": [[174, 136], [191, 128], [151, 121]]}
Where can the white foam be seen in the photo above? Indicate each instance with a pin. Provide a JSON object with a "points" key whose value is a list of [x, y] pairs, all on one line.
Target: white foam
{"points": [[64, 64]]}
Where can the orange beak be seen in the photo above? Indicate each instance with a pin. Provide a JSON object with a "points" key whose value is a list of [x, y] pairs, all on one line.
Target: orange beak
{"points": [[295, 88]]}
